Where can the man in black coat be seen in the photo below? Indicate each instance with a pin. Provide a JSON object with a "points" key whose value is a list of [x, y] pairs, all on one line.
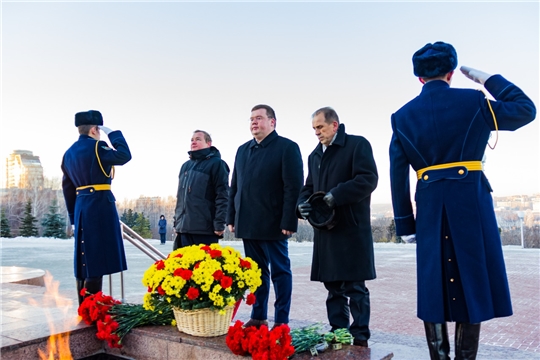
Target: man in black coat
{"points": [[343, 167], [201, 200], [266, 181]]}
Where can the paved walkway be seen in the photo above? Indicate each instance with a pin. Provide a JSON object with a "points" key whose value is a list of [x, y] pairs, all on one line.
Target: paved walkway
{"points": [[394, 323]]}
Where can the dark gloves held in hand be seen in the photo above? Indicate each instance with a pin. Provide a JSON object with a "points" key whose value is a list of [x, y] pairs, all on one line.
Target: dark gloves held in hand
{"points": [[304, 209], [329, 200]]}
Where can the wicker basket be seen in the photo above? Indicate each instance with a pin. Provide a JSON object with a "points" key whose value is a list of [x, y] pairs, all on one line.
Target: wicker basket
{"points": [[203, 322]]}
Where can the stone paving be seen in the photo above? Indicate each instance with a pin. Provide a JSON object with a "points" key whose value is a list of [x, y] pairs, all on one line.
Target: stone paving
{"points": [[394, 323]]}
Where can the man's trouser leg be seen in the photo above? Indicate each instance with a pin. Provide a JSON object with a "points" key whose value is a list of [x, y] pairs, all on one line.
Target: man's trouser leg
{"points": [[280, 271], [359, 305], [259, 254]]}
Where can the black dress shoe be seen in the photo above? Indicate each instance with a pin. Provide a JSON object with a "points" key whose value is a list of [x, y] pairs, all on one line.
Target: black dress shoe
{"points": [[256, 323], [359, 342]]}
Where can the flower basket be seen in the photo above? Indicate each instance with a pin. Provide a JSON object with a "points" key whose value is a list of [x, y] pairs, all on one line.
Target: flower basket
{"points": [[203, 322]]}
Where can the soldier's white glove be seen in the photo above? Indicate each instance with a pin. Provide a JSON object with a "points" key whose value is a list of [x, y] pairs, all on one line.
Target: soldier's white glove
{"points": [[105, 129], [409, 239], [475, 75]]}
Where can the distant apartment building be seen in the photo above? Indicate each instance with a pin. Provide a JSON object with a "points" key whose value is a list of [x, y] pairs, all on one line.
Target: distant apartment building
{"points": [[23, 170]]}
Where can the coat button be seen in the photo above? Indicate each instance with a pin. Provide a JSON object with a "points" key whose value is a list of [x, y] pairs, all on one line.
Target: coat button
{"points": [[82, 253], [77, 193], [452, 280], [91, 190], [454, 299], [461, 172], [426, 177], [83, 264], [449, 259], [446, 237]]}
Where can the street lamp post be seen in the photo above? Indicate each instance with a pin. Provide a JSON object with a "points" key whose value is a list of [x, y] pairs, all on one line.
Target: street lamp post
{"points": [[520, 215]]}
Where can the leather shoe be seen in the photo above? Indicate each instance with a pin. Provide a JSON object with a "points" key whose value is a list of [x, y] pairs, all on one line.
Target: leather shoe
{"points": [[359, 342], [256, 323], [276, 325]]}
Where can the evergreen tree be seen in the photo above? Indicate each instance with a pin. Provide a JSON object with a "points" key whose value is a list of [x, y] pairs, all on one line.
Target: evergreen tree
{"points": [[5, 230], [392, 231], [129, 218], [53, 223], [142, 226], [28, 226]]}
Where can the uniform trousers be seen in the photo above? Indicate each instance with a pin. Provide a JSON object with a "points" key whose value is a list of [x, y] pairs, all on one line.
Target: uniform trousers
{"points": [[347, 298], [272, 256], [184, 239]]}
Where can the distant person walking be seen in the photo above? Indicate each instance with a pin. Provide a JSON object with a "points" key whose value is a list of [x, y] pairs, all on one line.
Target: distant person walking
{"points": [[162, 224], [266, 181], [88, 168], [201, 199], [342, 166], [442, 133]]}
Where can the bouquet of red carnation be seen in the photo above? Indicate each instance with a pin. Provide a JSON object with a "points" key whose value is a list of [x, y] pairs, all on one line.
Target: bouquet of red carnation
{"points": [[262, 344], [114, 319]]}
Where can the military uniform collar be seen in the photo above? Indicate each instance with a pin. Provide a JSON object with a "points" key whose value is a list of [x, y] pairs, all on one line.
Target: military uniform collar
{"points": [[435, 84], [267, 140]]}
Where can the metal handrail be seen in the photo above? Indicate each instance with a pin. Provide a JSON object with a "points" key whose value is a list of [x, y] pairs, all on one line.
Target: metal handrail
{"points": [[141, 244]]}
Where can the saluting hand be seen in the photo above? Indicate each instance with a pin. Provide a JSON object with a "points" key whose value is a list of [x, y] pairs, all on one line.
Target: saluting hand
{"points": [[105, 129], [475, 75]]}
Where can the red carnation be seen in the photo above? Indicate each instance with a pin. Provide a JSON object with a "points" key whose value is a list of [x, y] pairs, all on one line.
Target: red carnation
{"points": [[226, 281], [183, 273], [245, 264], [192, 293], [206, 248], [160, 265], [218, 274], [251, 299], [82, 292], [215, 253]]}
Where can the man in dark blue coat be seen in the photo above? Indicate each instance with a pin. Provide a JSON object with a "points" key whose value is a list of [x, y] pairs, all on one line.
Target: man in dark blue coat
{"points": [[88, 168], [266, 181], [342, 166], [442, 134], [202, 196]]}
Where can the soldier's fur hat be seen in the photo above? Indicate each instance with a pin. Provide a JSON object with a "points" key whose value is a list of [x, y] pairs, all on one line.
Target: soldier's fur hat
{"points": [[91, 117], [434, 60]]}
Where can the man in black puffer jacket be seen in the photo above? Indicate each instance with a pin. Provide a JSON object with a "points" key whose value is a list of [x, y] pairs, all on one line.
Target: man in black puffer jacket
{"points": [[201, 201]]}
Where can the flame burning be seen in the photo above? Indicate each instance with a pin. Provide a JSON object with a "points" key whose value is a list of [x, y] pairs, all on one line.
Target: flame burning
{"points": [[58, 343]]}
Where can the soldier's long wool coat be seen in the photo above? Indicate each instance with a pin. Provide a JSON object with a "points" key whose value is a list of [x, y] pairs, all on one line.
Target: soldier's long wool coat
{"points": [[346, 169], [99, 248], [460, 267]]}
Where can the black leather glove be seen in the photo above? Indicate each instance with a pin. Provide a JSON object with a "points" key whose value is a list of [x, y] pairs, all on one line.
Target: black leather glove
{"points": [[329, 200], [304, 209]]}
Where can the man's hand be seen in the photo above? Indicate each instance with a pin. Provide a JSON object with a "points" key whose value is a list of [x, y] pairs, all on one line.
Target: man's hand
{"points": [[287, 232], [475, 75], [231, 228], [409, 239], [105, 129], [219, 233], [305, 209], [329, 200]]}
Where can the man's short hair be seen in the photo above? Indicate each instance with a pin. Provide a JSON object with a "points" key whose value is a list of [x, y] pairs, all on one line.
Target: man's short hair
{"points": [[269, 111], [85, 129], [330, 115], [207, 137]]}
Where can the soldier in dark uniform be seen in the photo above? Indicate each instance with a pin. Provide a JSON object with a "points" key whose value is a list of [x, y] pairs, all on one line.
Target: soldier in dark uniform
{"points": [[442, 134], [88, 167]]}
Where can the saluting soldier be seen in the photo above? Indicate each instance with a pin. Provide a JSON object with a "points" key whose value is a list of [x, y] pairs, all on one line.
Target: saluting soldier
{"points": [[442, 134], [88, 167]]}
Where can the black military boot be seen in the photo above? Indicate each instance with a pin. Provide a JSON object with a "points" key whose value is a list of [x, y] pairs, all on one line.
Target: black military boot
{"points": [[437, 339], [93, 285], [467, 337], [80, 286]]}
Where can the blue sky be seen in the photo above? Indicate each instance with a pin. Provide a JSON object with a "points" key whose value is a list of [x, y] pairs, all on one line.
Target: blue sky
{"points": [[158, 71]]}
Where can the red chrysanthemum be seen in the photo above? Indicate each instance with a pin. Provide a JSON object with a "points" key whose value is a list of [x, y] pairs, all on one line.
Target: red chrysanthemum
{"points": [[192, 293]]}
